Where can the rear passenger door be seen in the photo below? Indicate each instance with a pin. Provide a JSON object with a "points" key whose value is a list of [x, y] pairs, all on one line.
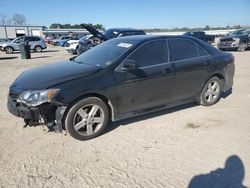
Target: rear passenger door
{"points": [[33, 41], [192, 65]]}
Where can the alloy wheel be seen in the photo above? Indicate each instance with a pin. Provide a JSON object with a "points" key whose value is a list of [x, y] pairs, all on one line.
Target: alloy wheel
{"points": [[212, 91], [88, 119]]}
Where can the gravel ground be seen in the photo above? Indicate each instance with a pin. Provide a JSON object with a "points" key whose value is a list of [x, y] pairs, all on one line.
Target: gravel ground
{"points": [[187, 146]]}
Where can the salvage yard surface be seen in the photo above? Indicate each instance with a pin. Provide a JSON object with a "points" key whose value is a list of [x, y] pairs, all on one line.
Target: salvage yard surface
{"points": [[170, 148]]}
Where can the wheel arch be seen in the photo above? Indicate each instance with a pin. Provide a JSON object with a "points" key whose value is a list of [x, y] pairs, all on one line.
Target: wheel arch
{"points": [[8, 47], [102, 97], [37, 45], [218, 75]]}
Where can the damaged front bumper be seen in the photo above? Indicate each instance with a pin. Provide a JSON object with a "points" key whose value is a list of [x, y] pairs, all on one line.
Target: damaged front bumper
{"points": [[48, 114]]}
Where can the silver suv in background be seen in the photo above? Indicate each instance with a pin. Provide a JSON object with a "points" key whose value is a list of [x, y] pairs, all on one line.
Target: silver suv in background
{"points": [[36, 43]]}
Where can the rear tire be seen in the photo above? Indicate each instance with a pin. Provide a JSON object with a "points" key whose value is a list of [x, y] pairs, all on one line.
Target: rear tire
{"points": [[211, 92], [242, 47], [38, 49], [87, 118]]}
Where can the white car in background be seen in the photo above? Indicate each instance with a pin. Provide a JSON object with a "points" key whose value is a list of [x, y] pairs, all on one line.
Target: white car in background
{"points": [[72, 46]]}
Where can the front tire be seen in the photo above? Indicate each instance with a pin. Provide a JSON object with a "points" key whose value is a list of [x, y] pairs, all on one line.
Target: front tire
{"points": [[9, 50], [242, 47], [211, 92], [87, 118]]}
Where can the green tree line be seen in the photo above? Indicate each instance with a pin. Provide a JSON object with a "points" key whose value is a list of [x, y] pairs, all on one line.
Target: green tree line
{"points": [[188, 29], [75, 26]]}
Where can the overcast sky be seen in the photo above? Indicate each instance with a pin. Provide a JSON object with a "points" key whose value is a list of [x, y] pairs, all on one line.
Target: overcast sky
{"points": [[132, 13]]}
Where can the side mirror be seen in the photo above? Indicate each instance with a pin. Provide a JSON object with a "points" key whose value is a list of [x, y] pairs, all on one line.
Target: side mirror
{"points": [[130, 64], [249, 35]]}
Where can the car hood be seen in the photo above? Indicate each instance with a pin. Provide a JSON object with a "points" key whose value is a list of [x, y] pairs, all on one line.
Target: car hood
{"points": [[6, 44], [233, 36], [94, 32], [52, 74]]}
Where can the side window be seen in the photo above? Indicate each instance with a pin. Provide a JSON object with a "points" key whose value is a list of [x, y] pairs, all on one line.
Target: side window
{"points": [[151, 53], [126, 33], [19, 40], [139, 33], [27, 39], [202, 51], [36, 39], [180, 49]]}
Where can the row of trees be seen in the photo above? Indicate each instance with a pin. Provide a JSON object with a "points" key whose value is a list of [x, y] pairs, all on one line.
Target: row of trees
{"points": [[188, 29], [75, 26], [16, 19], [19, 19]]}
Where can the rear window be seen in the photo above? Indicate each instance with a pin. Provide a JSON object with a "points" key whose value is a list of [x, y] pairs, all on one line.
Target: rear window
{"points": [[35, 39], [180, 49]]}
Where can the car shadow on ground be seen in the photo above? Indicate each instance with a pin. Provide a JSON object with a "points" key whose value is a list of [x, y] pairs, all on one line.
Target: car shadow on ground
{"points": [[40, 57], [114, 125], [231, 176], [50, 51], [6, 58]]}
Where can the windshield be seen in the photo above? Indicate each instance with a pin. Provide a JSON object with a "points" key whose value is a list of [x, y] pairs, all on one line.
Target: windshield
{"points": [[19, 40], [105, 54], [238, 32], [110, 33]]}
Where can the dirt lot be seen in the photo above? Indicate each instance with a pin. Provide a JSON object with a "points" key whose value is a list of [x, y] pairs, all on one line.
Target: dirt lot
{"points": [[172, 148]]}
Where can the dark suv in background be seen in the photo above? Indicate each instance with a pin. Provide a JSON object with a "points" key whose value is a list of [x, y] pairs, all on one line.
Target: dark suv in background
{"points": [[202, 36], [97, 37], [238, 40]]}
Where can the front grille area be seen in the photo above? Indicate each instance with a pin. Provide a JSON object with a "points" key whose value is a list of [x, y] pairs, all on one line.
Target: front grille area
{"points": [[227, 40]]}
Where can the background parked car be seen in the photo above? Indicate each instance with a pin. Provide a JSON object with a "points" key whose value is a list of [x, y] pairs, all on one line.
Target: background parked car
{"points": [[36, 43], [49, 39], [202, 36], [98, 37], [72, 45], [2, 41], [238, 40], [61, 41]]}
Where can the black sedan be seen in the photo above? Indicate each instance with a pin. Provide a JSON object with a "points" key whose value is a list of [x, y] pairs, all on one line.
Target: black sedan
{"points": [[121, 78]]}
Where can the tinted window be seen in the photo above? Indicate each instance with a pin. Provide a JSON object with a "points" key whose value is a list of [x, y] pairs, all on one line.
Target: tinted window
{"points": [[34, 39], [19, 40], [110, 33], [139, 33], [202, 51], [151, 53], [180, 49], [126, 33]]}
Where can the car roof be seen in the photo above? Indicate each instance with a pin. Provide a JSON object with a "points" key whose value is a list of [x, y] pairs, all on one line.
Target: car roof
{"points": [[144, 38], [140, 39], [124, 29]]}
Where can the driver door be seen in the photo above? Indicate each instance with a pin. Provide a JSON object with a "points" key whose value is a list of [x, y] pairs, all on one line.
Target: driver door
{"points": [[148, 84], [17, 42]]}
